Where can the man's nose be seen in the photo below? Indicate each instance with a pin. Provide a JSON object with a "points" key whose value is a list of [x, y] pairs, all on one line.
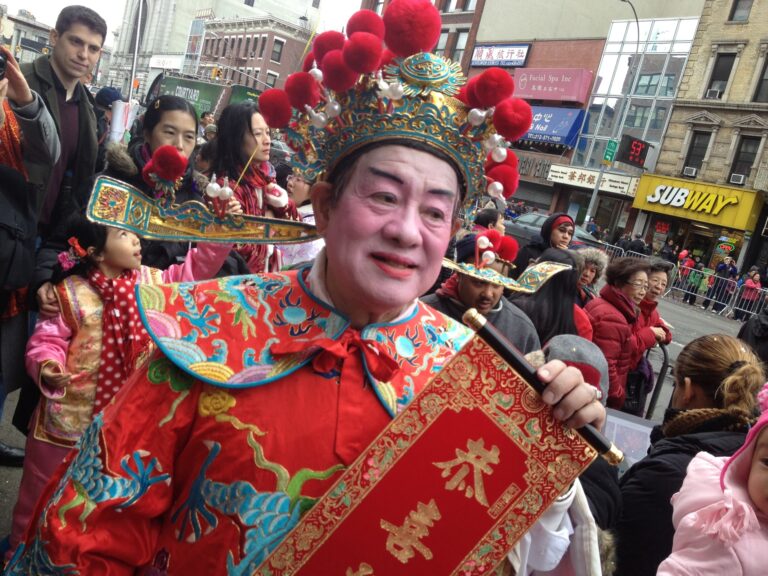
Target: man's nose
{"points": [[403, 226]]}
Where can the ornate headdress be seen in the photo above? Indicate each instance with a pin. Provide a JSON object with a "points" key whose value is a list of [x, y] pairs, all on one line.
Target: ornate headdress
{"points": [[491, 247], [353, 93], [116, 203]]}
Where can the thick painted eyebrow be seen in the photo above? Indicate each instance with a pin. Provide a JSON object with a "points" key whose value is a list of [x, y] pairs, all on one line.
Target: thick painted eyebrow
{"points": [[394, 178]]}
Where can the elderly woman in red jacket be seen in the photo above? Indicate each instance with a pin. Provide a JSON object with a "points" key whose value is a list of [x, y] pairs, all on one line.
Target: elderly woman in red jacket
{"points": [[613, 316]]}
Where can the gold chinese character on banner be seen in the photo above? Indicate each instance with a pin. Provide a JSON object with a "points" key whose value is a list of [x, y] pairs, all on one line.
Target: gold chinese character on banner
{"points": [[477, 458], [403, 541], [363, 570]]}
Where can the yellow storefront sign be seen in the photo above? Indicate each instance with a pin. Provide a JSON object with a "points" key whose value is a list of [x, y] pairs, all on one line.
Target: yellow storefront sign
{"points": [[725, 206]]}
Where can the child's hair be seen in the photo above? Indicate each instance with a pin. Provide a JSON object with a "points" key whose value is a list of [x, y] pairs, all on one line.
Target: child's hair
{"points": [[88, 234], [726, 369]]}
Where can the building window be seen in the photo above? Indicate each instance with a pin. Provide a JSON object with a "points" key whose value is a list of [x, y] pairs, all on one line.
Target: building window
{"points": [[720, 75], [761, 95], [740, 10], [378, 7], [461, 45], [442, 41], [668, 85], [277, 51], [745, 156], [315, 3], [263, 46], [470, 5], [249, 3], [271, 79], [698, 149], [647, 84], [637, 116], [659, 115], [247, 46]]}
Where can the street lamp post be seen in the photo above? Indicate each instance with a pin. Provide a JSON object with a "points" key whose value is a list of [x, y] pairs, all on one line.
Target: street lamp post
{"points": [[135, 53], [618, 127]]}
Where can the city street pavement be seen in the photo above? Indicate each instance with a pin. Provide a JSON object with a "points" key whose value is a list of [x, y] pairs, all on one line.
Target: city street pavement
{"points": [[688, 323]]}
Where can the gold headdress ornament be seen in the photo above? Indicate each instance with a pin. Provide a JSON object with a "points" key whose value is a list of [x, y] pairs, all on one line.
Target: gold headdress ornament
{"points": [[116, 203], [354, 93], [491, 247]]}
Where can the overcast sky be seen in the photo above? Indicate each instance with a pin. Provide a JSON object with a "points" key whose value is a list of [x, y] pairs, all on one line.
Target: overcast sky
{"points": [[334, 15]]}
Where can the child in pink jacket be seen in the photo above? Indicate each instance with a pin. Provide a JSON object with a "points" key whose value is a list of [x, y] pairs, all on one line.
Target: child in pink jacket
{"points": [[721, 512], [81, 357]]}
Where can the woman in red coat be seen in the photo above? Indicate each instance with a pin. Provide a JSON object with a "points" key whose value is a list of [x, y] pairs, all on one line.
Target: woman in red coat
{"points": [[650, 329], [613, 315]]}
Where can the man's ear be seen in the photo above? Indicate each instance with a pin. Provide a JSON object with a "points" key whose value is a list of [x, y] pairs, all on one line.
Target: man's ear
{"points": [[53, 37], [322, 201]]}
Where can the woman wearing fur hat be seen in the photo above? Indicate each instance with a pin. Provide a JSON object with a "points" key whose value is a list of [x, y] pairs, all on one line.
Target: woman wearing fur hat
{"points": [[713, 404], [556, 232], [721, 512], [595, 262]]}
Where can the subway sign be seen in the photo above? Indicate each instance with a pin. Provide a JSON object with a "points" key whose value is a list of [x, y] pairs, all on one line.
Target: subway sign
{"points": [[726, 206], [695, 200]]}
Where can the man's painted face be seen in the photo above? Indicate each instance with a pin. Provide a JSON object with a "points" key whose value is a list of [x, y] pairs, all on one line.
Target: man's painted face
{"points": [[387, 233], [76, 51]]}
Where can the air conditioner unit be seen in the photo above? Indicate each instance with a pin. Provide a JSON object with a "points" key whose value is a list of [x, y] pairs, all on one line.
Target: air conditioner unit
{"points": [[737, 179], [690, 171], [713, 94]]}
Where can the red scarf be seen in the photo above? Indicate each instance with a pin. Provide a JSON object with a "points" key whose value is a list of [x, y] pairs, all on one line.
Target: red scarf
{"points": [[450, 288], [123, 334]]}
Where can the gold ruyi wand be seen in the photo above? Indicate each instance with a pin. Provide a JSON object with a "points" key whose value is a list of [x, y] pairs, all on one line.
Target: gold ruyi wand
{"points": [[514, 358]]}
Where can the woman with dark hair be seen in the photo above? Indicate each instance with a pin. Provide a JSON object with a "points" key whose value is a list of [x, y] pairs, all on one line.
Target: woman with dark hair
{"points": [[613, 315], [242, 156], [489, 219], [556, 232], [713, 406], [552, 308]]}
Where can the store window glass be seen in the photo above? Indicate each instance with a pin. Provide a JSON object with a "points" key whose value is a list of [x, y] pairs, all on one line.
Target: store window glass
{"points": [[663, 31], [697, 149], [687, 29], [617, 31], [620, 82], [745, 158], [637, 115], [609, 116], [605, 73], [740, 10]]}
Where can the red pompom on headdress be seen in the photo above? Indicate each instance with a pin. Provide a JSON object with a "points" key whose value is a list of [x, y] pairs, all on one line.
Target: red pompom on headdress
{"points": [[387, 56], [510, 159], [470, 93], [512, 118], [493, 86], [336, 74], [309, 62], [508, 249], [411, 26], [275, 106], [164, 170], [505, 175], [366, 21], [362, 52], [325, 42], [303, 90]]}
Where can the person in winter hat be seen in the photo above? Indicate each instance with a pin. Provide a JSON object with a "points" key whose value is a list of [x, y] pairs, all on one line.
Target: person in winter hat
{"points": [[721, 512], [556, 232]]}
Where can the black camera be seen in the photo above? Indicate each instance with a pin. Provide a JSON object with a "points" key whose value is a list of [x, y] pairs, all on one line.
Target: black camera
{"points": [[3, 64]]}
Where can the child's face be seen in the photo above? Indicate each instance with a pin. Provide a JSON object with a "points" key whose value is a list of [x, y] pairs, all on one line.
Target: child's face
{"points": [[757, 485], [121, 252]]}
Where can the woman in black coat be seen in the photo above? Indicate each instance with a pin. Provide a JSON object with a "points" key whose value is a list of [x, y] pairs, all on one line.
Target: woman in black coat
{"points": [[713, 406], [556, 232]]}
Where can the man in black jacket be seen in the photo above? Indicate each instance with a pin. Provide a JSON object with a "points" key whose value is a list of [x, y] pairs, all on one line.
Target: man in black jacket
{"points": [[77, 40], [461, 292]]}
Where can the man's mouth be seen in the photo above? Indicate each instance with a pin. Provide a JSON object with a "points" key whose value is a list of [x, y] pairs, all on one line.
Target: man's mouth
{"points": [[394, 265]]}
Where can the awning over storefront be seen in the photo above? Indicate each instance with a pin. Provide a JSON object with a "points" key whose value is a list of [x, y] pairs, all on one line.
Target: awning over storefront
{"points": [[724, 206], [555, 125]]}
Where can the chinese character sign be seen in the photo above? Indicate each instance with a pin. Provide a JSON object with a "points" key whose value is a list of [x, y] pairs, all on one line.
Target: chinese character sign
{"points": [[506, 55], [458, 477]]}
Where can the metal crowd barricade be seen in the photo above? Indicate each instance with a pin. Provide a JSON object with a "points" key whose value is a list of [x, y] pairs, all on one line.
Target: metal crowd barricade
{"points": [[747, 301], [613, 251]]}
